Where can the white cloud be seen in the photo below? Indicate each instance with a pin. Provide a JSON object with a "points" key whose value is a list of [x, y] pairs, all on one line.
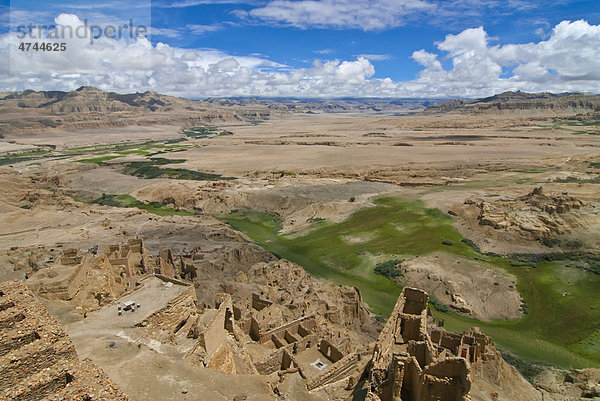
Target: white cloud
{"points": [[568, 60], [376, 57], [370, 15], [325, 51], [193, 3], [165, 32], [366, 15], [202, 29]]}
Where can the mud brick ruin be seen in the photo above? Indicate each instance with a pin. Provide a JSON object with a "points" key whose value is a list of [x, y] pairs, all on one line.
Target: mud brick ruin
{"points": [[415, 360], [92, 281], [38, 360], [272, 319], [251, 336]]}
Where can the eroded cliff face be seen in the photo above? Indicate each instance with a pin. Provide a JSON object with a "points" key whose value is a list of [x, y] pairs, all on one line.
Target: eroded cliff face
{"points": [[87, 107]]}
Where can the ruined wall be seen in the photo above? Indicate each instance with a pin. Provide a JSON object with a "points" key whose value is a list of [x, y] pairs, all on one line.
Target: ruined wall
{"points": [[347, 366], [174, 319], [291, 327], [216, 333], [96, 280], [447, 379], [66, 284], [220, 345], [166, 264], [70, 257]]}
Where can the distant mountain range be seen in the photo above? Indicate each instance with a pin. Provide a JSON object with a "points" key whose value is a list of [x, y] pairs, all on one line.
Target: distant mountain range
{"points": [[88, 99], [522, 103], [88, 107]]}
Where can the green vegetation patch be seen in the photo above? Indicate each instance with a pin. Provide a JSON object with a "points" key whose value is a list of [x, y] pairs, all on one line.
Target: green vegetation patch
{"points": [[98, 160], [562, 312], [575, 122], [149, 169], [594, 180], [437, 305], [204, 132], [125, 200], [394, 227], [529, 370], [133, 152], [388, 269], [22, 157], [109, 147]]}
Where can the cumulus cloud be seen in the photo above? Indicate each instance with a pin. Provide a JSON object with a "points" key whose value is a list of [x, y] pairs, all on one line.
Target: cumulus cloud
{"points": [[131, 65], [467, 64], [568, 60]]}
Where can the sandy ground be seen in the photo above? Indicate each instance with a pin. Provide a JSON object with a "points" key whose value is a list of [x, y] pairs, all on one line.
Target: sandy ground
{"points": [[7, 147], [310, 142], [83, 229], [303, 167], [106, 180], [98, 136]]}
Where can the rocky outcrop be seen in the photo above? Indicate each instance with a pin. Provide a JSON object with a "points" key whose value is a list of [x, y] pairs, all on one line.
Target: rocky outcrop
{"points": [[467, 287], [287, 281], [535, 216]]}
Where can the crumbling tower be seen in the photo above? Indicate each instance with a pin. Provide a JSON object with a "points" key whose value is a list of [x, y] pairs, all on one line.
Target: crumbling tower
{"points": [[408, 366]]}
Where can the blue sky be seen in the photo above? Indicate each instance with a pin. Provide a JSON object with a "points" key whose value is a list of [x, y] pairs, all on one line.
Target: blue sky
{"points": [[298, 46], [313, 47]]}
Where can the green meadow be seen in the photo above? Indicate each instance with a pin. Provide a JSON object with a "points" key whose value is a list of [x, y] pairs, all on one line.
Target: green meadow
{"points": [[562, 320]]}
